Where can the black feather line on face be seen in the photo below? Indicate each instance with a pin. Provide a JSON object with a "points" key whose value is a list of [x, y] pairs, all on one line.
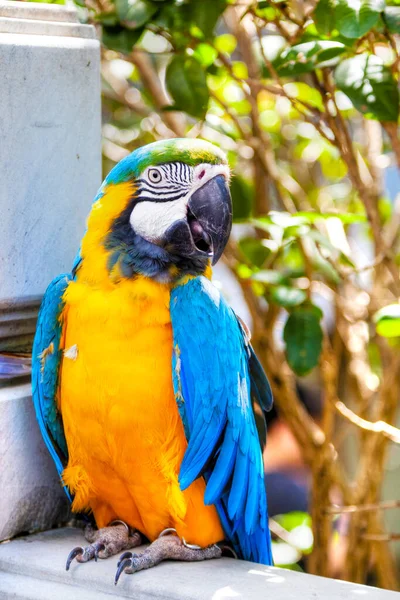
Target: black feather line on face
{"points": [[136, 256], [176, 182], [149, 197]]}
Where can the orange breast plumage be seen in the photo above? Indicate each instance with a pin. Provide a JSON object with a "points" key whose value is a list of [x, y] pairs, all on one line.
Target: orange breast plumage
{"points": [[125, 437]]}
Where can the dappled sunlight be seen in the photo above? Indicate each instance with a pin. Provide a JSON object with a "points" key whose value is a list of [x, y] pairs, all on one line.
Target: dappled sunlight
{"points": [[226, 592], [271, 577]]}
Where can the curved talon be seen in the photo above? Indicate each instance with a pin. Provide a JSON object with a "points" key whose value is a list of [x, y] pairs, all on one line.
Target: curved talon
{"points": [[75, 552], [119, 522], [223, 547], [124, 556], [122, 565], [168, 531], [191, 546], [98, 549]]}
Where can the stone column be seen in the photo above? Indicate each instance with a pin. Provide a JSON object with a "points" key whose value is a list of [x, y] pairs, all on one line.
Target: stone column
{"points": [[50, 169]]}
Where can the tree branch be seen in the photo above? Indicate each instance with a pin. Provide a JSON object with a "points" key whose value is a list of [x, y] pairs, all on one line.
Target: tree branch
{"points": [[151, 81]]}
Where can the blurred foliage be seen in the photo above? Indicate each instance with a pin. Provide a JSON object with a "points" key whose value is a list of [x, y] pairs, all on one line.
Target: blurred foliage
{"points": [[196, 59], [387, 321], [294, 539], [303, 97]]}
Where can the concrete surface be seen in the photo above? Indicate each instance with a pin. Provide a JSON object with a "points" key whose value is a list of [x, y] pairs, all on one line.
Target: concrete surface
{"points": [[50, 150], [38, 11], [33, 568], [31, 497]]}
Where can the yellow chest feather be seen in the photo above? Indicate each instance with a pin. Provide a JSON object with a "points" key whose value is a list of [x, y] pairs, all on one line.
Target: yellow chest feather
{"points": [[117, 342]]}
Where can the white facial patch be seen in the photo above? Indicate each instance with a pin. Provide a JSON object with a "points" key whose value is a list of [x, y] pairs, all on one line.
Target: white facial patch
{"points": [[205, 172], [151, 218]]}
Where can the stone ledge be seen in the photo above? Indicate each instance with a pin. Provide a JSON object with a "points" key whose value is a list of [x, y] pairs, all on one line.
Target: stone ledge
{"points": [[36, 10], [28, 27], [33, 568], [34, 18]]}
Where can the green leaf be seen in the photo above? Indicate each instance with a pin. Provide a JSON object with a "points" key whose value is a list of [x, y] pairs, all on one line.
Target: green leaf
{"points": [[370, 85], [285, 219], [292, 261], [106, 18], [324, 16], [274, 231], [187, 84], [387, 321], [346, 261], [244, 271], [205, 14], [327, 248], [199, 17], [285, 554], [268, 276], [354, 18], [119, 38], [255, 252], [322, 240], [135, 13], [391, 18], [296, 231], [304, 93], [325, 269], [205, 54], [266, 11], [306, 57], [346, 218], [225, 43], [290, 521], [303, 338], [242, 194], [287, 297]]}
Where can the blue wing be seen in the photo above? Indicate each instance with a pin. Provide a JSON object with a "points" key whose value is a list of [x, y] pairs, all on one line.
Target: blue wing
{"points": [[46, 358], [213, 388]]}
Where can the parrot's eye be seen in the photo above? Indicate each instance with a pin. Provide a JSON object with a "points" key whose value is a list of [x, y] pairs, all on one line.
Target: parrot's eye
{"points": [[154, 176]]}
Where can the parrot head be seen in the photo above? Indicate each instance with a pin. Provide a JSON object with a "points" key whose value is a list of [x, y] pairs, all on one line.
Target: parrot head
{"points": [[167, 210]]}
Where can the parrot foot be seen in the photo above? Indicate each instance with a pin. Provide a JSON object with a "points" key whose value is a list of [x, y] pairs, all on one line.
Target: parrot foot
{"points": [[166, 547], [105, 542]]}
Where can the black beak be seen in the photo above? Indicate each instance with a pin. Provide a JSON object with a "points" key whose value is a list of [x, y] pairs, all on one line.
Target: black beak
{"points": [[208, 225]]}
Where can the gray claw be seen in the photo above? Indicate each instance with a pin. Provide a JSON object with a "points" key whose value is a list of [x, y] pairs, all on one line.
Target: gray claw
{"points": [[124, 556], [168, 531], [191, 546], [75, 552], [98, 549], [122, 565], [226, 548]]}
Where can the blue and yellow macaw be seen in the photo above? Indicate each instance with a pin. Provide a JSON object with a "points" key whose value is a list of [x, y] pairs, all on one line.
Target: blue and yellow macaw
{"points": [[144, 380]]}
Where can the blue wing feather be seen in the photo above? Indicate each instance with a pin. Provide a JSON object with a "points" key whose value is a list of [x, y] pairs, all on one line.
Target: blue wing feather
{"points": [[215, 375], [260, 388], [46, 358], [260, 382]]}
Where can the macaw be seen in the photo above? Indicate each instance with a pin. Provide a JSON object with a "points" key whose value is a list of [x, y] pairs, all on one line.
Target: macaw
{"points": [[144, 380]]}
